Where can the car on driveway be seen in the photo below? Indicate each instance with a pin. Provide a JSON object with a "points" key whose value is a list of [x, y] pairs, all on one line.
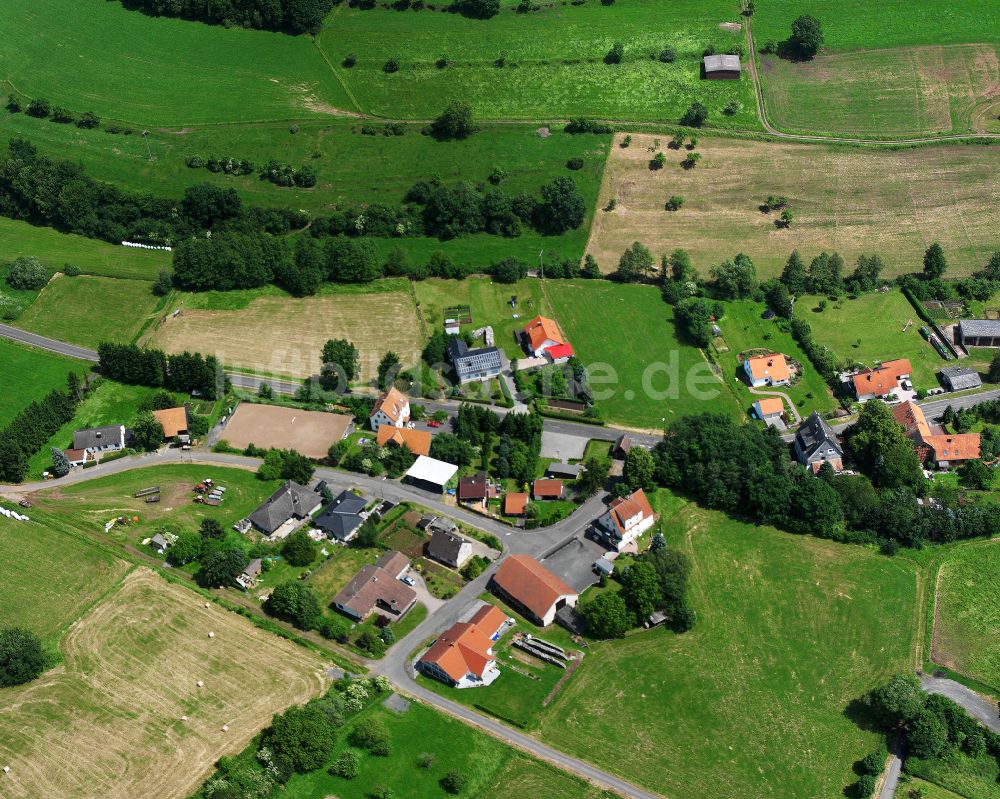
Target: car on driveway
{"points": [[407, 580], [434, 423]]}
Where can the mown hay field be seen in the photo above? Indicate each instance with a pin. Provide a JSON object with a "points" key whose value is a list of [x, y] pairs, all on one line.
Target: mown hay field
{"points": [[849, 200], [109, 721], [29, 374], [967, 622], [753, 701], [276, 334]]}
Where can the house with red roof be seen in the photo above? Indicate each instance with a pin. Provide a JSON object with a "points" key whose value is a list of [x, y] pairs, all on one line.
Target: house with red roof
{"points": [[625, 520], [543, 338], [391, 408], [881, 382], [932, 443], [767, 370], [462, 656], [531, 589]]}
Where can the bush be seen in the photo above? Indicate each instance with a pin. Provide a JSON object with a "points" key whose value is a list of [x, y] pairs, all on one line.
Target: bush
{"points": [[62, 115], [13, 104], [866, 786], [346, 766], [392, 65], [298, 549], [71, 270], [616, 54], [40, 108], [27, 274], [21, 656], [369, 734], [873, 763], [732, 108], [695, 116], [668, 55], [454, 781], [455, 122], [574, 163], [88, 120], [584, 125], [674, 203], [350, 60]]}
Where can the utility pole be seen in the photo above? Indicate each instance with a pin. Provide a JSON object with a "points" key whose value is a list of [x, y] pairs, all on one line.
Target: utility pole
{"points": [[145, 138], [541, 263]]}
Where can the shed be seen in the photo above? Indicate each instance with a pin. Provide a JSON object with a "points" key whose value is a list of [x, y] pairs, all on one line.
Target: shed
{"points": [[604, 566], [721, 67], [431, 474], [960, 378]]}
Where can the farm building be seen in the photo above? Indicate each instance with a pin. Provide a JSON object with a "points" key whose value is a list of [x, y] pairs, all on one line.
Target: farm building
{"points": [[881, 382], [417, 441], [159, 543], [528, 586], [285, 509], [450, 549], [721, 67], [431, 474], [547, 489], [341, 519], [376, 588], [816, 444], [978, 333], [960, 378], [767, 370], [478, 364], [175, 423], [568, 471], [933, 444], [621, 447], [626, 519], [391, 408], [462, 656], [515, 503], [102, 439]]}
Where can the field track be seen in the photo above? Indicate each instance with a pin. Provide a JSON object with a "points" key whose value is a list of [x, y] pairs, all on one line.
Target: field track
{"points": [[108, 722]]}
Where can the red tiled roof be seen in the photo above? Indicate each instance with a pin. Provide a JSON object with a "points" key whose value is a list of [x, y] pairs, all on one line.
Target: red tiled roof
{"points": [[547, 488], [514, 504], [882, 381], [392, 403], [419, 441], [530, 583], [624, 508], [542, 329], [560, 351], [770, 406], [773, 366], [954, 449], [465, 648]]}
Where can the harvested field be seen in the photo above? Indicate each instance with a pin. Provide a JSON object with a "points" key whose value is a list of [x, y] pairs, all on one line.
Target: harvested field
{"points": [[108, 722], [308, 432], [894, 203], [282, 335]]}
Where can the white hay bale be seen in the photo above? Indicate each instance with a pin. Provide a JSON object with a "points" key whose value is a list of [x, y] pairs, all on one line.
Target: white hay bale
{"points": [[184, 718], [6, 769], [201, 683], [211, 635], [225, 728], [208, 604]]}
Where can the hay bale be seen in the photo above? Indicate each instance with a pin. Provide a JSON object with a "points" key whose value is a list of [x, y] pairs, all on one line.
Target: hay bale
{"points": [[211, 635], [201, 683], [225, 728]]}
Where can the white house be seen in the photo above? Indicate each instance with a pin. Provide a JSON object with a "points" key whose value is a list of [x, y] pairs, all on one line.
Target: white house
{"points": [[392, 408], [767, 370], [627, 518]]}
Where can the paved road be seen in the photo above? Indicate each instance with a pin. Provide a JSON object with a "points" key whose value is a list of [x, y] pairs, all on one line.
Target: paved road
{"points": [[891, 780], [980, 708], [50, 344]]}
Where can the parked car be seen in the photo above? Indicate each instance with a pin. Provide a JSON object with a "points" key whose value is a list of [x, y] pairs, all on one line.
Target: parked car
{"points": [[407, 580], [434, 423]]}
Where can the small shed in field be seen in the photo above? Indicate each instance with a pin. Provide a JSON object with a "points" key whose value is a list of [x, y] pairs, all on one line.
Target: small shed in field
{"points": [[722, 67]]}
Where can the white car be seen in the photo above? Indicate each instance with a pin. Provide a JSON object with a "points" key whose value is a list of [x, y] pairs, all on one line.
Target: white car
{"points": [[407, 580]]}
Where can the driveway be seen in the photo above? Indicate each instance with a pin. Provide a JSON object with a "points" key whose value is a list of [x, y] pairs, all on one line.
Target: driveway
{"points": [[980, 708], [573, 562], [424, 596], [563, 446]]}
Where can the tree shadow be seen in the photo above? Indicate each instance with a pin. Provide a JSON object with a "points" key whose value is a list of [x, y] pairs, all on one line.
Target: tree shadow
{"points": [[863, 716]]}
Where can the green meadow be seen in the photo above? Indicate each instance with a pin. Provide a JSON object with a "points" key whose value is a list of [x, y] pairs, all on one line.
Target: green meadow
{"points": [[30, 374]]}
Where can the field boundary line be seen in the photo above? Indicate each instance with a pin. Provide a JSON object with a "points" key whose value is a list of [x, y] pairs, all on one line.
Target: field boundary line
{"points": [[333, 71]]}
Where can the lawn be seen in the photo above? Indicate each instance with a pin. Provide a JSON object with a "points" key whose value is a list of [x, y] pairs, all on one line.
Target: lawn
{"points": [[89, 310], [108, 403], [50, 579], [160, 71], [871, 328], [94, 257], [850, 200], [276, 334], [893, 68], [29, 374], [126, 710], [328, 580], [744, 330], [542, 64], [641, 374], [521, 776], [752, 702], [86, 507], [489, 303], [967, 624], [972, 778]]}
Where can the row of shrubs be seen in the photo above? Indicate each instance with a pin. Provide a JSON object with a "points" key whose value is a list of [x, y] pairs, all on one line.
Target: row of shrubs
{"points": [[278, 173], [40, 108]]}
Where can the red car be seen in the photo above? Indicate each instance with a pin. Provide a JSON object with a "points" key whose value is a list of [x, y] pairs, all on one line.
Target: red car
{"points": [[434, 423]]}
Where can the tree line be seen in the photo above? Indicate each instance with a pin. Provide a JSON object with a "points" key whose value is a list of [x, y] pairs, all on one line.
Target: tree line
{"points": [[746, 471], [288, 16], [189, 373], [28, 432]]}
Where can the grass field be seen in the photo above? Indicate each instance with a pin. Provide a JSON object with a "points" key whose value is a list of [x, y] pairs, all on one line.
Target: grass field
{"points": [[109, 722], [55, 249], [897, 92], [963, 776], [521, 776], [743, 330], [641, 374], [554, 60], [162, 71], [29, 374], [752, 701], [870, 329], [49, 578], [489, 304], [967, 623], [887, 69], [88, 310], [854, 201], [276, 334]]}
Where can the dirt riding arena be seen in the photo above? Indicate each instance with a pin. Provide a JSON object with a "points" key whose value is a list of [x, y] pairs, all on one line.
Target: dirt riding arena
{"points": [[109, 722], [850, 200], [309, 433], [285, 336]]}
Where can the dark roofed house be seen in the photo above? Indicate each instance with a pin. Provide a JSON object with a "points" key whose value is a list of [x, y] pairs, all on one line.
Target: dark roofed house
{"points": [[474, 489], [978, 332], [816, 443], [477, 364], [248, 577], [960, 378], [449, 549], [377, 588], [159, 543], [568, 471], [102, 439], [341, 519], [722, 67], [621, 447], [281, 512]]}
